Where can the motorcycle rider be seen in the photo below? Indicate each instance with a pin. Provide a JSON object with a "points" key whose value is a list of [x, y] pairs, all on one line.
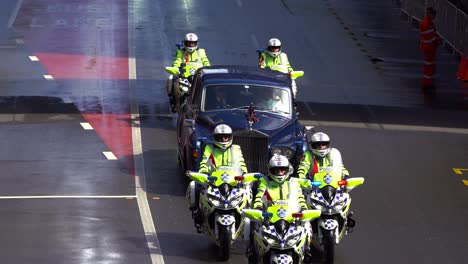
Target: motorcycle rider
{"points": [[188, 53], [275, 59], [322, 155], [279, 185], [221, 153]]}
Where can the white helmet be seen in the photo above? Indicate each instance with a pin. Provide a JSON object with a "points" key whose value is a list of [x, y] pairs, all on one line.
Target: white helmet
{"points": [[191, 42], [279, 168], [319, 139], [220, 133], [274, 47]]}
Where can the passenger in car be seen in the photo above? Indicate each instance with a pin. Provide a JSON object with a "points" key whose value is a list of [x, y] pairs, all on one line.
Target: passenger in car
{"points": [[218, 100], [269, 100]]}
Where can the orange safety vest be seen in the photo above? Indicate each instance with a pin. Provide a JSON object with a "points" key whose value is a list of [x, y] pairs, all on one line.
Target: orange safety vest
{"points": [[428, 33]]}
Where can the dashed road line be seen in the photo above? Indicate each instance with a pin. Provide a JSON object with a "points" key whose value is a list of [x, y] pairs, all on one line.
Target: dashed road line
{"points": [[152, 241], [33, 58], [109, 155], [86, 126], [48, 77]]}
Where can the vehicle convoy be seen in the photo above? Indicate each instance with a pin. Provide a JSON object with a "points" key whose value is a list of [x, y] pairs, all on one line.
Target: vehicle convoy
{"points": [[257, 104], [281, 234], [329, 193], [222, 196]]}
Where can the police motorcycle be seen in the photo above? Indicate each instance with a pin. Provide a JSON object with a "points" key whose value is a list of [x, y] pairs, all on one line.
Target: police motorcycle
{"points": [[281, 234], [225, 193], [281, 68], [180, 81], [329, 193]]}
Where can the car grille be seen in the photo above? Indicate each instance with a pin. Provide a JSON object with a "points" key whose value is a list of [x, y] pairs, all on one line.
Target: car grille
{"points": [[254, 145]]}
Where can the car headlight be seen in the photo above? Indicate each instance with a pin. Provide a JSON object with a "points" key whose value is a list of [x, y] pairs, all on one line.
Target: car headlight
{"points": [[285, 151]]}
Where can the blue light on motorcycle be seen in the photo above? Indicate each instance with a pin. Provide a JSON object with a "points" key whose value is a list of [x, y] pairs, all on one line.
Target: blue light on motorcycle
{"points": [[316, 184], [212, 178], [258, 175], [267, 215]]}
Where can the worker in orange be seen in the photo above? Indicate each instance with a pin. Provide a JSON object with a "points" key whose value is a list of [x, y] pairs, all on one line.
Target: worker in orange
{"points": [[428, 43]]}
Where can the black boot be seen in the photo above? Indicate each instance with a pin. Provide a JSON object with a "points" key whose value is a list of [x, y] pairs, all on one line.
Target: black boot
{"points": [[351, 222], [197, 219]]}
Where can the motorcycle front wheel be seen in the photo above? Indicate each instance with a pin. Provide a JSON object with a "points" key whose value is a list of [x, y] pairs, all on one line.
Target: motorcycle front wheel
{"points": [[224, 242], [329, 247]]}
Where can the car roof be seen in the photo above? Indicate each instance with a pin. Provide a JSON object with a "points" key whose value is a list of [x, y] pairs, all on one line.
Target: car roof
{"points": [[242, 74]]}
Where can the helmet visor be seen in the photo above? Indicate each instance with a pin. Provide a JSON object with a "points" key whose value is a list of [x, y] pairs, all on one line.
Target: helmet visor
{"points": [[222, 137], [320, 145], [190, 44], [279, 171], [274, 48]]}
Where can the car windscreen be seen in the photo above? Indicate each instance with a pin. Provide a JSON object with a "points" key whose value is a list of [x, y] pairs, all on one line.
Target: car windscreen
{"points": [[231, 96]]}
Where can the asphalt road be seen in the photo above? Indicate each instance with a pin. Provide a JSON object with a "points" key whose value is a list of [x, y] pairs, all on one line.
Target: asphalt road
{"points": [[65, 199]]}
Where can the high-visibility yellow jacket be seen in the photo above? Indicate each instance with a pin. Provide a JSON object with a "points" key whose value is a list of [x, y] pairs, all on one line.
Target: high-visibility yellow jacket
{"points": [[183, 56], [278, 63], [214, 157], [311, 163], [270, 191]]}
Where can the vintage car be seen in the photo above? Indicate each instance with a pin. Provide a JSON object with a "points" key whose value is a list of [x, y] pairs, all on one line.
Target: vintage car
{"points": [[257, 104]]}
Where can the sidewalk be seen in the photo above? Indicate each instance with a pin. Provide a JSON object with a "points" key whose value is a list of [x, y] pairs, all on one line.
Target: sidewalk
{"points": [[384, 35]]}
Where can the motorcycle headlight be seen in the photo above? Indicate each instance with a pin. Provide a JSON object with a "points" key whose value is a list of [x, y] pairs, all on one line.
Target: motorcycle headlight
{"points": [[214, 200], [235, 200], [271, 239], [340, 205], [285, 151], [293, 239]]}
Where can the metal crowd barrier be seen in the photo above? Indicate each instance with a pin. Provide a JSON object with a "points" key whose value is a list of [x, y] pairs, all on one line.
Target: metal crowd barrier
{"points": [[451, 22]]}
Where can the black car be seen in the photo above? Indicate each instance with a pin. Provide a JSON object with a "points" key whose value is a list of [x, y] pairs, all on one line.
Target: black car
{"points": [[256, 103]]}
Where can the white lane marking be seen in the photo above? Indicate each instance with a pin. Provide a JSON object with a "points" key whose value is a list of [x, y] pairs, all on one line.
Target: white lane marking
{"points": [[239, 3], [86, 126], [14, 14], [7, 47], [377, 126], [70, 197], [254, 41], [19, 41], [48, 77], [149, 228], [33, 58], [109, 155]]}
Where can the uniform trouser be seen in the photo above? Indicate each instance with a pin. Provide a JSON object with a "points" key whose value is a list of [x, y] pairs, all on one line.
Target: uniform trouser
{"points": [[429, 53]]}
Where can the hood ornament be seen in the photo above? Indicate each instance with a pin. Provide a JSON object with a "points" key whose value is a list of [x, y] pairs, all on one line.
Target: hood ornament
{"points": [[251, 116]]}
